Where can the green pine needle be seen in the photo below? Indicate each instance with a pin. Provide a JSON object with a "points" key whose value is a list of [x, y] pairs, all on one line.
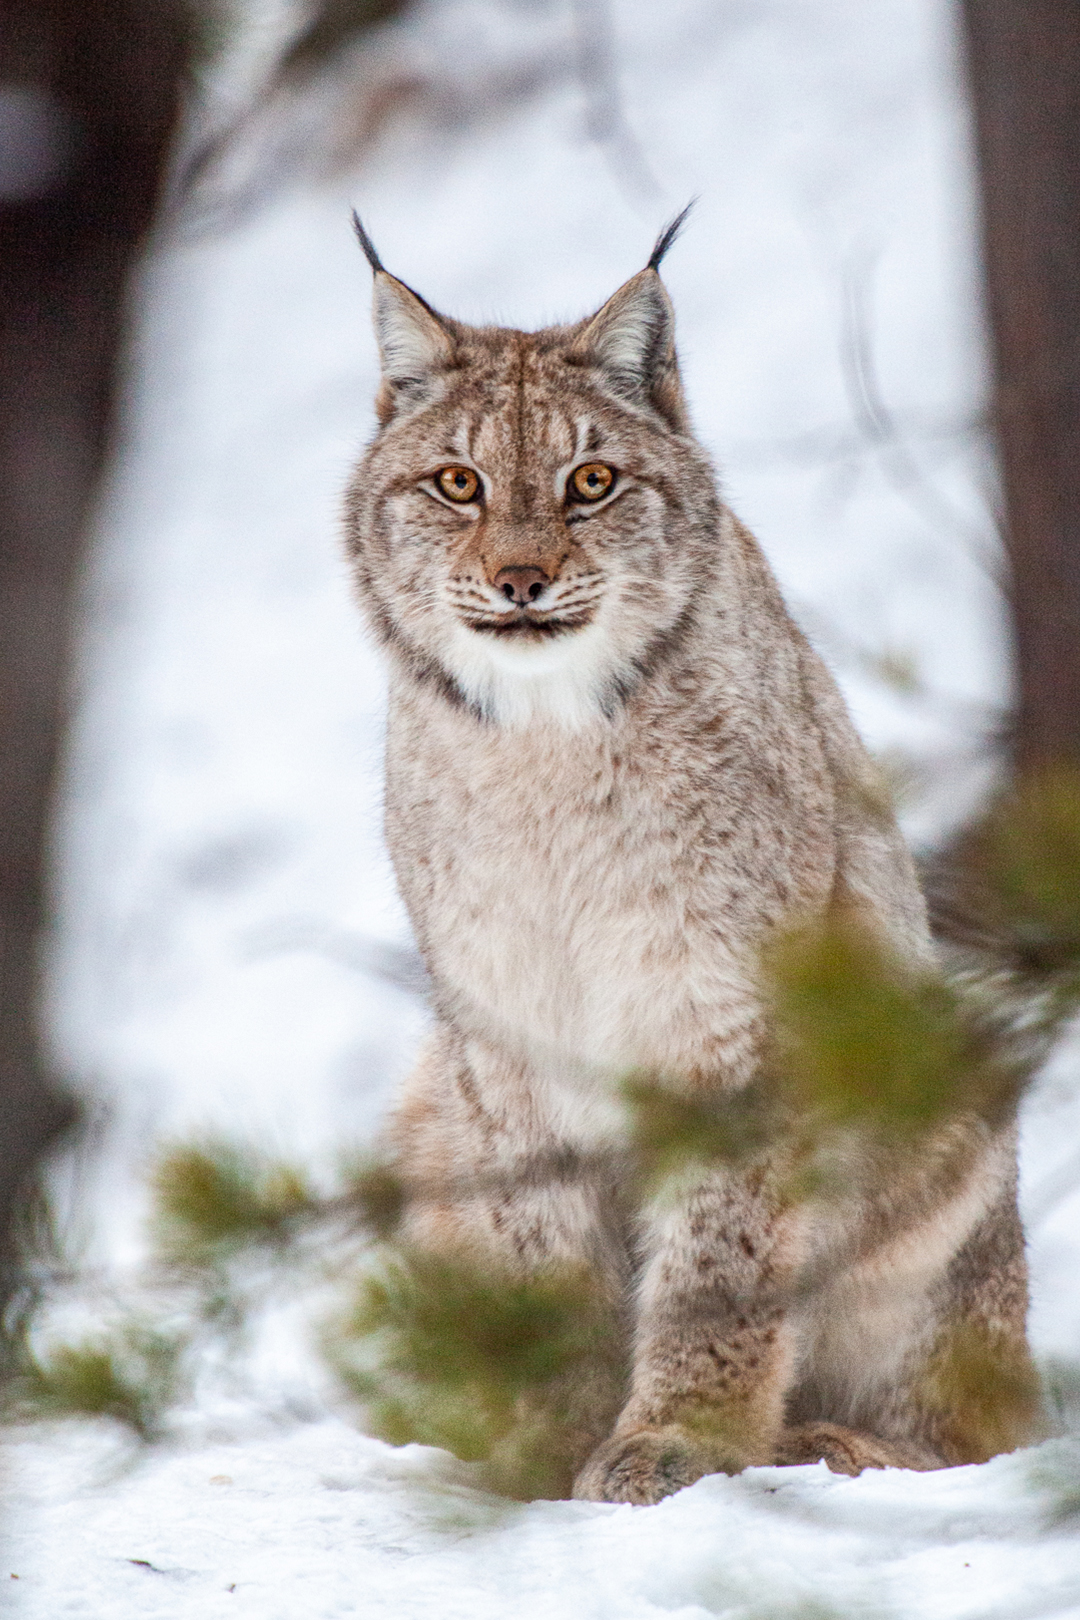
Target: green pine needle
{"points": [[213, 1200]]}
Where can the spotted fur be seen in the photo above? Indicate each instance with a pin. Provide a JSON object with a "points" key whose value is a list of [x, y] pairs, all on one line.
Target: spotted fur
{"points": [[600, 803]]}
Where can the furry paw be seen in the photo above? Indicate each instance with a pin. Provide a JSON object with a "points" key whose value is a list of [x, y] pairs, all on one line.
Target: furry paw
{"points": [[848, 1451], [643, 1467]]}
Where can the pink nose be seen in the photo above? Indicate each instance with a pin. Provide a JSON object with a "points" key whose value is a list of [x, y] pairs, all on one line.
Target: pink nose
{"points": [[521, 585]]}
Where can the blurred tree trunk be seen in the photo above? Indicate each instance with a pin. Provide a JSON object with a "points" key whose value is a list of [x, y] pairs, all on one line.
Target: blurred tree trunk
{"points": [[89, 94], [1024, 59]]}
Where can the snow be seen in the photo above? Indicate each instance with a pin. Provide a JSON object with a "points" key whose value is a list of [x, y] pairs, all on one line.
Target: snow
{"points": [[227, 931], [324, 1523]]}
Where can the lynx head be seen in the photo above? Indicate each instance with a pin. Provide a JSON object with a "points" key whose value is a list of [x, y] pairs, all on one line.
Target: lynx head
{"points": [[533, 519]]}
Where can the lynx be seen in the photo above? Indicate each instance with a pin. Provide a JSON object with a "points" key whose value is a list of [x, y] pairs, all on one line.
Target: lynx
{"points": [[615, 769]]}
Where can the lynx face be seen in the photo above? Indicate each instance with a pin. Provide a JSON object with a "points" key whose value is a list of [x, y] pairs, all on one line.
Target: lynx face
{"points": [[525, 525]]}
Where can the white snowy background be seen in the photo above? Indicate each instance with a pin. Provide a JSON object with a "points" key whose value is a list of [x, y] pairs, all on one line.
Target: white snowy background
{"points": [[225, 913]]}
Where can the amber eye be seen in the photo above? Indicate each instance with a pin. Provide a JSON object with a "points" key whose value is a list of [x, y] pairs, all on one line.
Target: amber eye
{"points": [[458, 483], [590, 482]]}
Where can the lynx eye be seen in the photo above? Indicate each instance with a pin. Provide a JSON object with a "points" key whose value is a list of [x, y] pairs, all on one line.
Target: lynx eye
{"points": [[458, 483], [591, 482]]}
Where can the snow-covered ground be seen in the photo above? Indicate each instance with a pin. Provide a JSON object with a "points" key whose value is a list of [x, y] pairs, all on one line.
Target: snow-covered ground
{"points": [[323, 1523], [226, 918]]}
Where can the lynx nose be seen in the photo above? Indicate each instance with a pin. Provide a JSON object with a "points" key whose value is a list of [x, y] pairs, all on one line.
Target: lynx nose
{"points": [[521, 585]]}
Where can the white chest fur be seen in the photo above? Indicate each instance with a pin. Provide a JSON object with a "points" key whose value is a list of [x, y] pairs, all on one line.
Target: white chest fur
{"points": [[563, 903]]}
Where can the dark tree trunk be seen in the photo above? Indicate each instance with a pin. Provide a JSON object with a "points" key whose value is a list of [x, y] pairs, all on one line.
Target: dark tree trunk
{"points": [[1024, 58], [89, 93]]}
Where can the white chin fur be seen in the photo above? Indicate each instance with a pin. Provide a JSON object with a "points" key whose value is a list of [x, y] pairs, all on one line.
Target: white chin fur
{"points": [[561, 680]]}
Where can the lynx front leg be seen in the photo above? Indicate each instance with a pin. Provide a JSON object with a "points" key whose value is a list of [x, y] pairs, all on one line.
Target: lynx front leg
{"points": [[488, 1173], [555, 1328], [492, 1188], [713, 1347]]}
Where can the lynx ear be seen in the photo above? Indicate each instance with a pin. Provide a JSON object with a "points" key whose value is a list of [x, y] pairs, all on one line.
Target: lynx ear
{"points": [[414, 342], [632, 340], [632, 331]]}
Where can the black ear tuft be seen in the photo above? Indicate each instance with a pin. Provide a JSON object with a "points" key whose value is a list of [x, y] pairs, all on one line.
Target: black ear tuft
{"points": [[664, 240], [369, 247]]}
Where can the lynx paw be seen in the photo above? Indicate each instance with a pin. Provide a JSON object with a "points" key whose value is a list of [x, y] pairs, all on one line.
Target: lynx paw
{"points": [[848, 1451], [643, 1467]]}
